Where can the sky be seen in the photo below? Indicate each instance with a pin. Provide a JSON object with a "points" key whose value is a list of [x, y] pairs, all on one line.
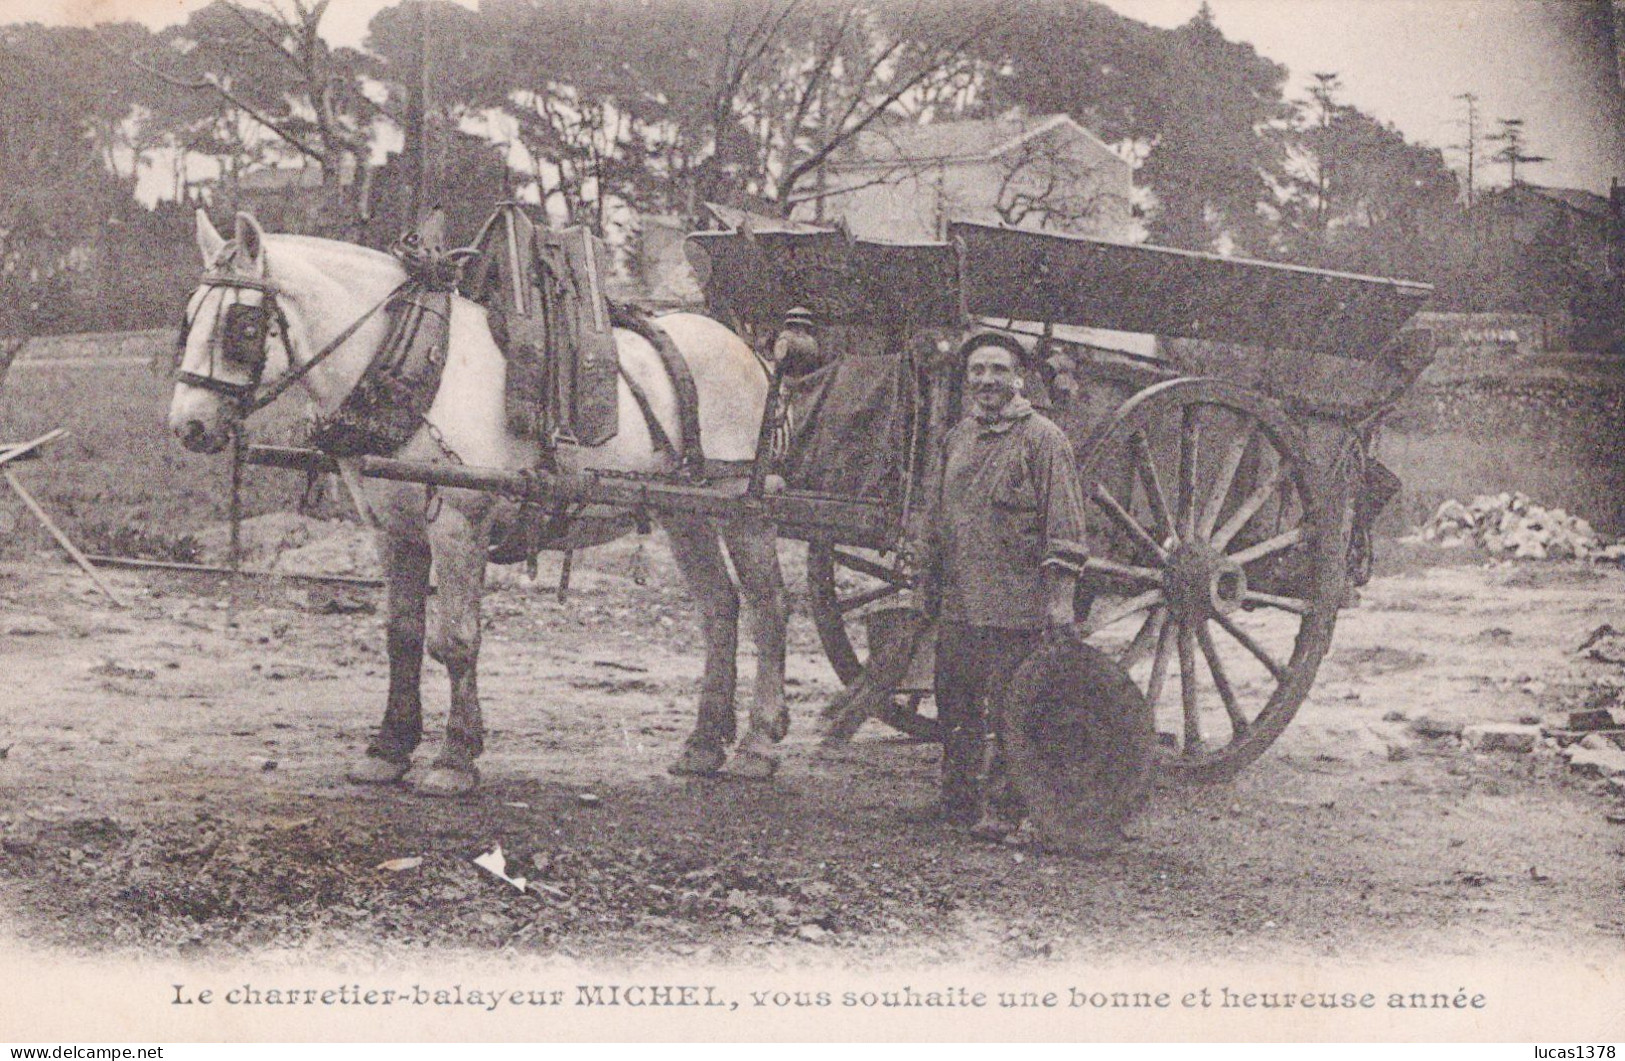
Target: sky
{"points": [[1549, 62]]}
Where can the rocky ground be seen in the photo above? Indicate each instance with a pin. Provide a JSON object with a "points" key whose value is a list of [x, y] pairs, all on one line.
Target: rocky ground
{"points": [[172, 785]]}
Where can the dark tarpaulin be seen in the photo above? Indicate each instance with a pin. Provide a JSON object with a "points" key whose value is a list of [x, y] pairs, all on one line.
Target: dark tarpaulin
{"points": [[1035, 276], [755, 276], [848, 428]]}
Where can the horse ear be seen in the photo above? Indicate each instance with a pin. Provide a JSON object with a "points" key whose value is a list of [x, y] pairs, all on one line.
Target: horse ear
{"points": [[209, 241], [251, 242]]}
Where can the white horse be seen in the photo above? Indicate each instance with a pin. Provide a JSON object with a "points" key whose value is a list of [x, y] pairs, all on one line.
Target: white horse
{"points": [[314, 291]]}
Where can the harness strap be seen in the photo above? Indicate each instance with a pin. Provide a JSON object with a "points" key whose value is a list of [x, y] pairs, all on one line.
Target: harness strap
{"points": [[657, 434], [298, 372], [691, 457], [390, 402]]}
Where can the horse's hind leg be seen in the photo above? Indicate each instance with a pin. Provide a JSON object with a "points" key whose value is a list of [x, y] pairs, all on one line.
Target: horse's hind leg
{"points": [[753, 547], [405, 557], [698, 554], [458, 536]]}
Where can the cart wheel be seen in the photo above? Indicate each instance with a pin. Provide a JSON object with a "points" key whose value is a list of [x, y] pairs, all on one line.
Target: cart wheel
{"points": [[844, 584], [1218, 555]]}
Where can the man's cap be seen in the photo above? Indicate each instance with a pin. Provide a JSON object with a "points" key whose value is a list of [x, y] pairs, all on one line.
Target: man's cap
{"points": [[996, 341], [799, 315]]}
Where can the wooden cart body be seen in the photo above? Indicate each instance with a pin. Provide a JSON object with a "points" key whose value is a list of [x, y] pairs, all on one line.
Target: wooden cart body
{"points": [[1224, 467]]}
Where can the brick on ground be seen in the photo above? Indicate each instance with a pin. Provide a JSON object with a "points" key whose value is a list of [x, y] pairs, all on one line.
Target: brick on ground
{"points": [[1501, 737], [1428, 726], [1596, 755]]}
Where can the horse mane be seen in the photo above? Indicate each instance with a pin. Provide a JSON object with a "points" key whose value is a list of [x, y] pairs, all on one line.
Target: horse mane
{"points": [[278, 244], [360, 256]]}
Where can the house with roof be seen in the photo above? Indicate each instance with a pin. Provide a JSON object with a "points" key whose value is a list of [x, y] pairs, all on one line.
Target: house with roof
{"points": [[291, 198], [1553, 252], [904, 182]]}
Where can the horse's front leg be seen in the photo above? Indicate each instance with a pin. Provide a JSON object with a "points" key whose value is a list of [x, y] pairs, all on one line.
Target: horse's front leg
{"points": [[698, 554], [404, 552], [753, 547], [458, 535]]}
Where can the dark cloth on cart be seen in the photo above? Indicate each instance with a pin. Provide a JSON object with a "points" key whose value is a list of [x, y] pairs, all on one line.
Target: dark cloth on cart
{"points": [[973, 664], [847, 427], [1009, 506]]}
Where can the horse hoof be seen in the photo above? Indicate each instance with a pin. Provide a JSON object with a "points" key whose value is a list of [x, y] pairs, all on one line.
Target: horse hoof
{"points": [[698, 762], [375, 771], [445, 782], [752, 766]]}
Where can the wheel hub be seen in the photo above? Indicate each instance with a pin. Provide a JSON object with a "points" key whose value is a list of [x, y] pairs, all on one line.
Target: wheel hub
{"points": [[1200, 580]]}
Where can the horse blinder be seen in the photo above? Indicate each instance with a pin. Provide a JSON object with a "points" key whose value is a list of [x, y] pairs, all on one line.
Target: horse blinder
{"points": [[242, 332]]}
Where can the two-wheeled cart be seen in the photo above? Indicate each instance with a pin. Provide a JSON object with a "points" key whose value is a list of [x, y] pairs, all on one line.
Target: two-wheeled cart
{"points": [[1222, 412]]}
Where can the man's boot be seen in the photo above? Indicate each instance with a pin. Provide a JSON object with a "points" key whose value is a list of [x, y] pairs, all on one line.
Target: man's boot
{"points": [[961, 762], [956, 802], [996, 816]]}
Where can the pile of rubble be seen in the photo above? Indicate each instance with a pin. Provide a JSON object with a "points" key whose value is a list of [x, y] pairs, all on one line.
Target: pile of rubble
{"points": [[296, 544], [1583, 723], [1591, 741], [1512, 525]]}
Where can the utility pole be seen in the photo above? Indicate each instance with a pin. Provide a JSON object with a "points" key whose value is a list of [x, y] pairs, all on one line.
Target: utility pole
{"points": [[1471, 146], [422, 198], [1324, 93]]}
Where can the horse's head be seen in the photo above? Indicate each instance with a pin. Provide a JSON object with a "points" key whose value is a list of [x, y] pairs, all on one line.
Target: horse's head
{"points": [[222, 350]]}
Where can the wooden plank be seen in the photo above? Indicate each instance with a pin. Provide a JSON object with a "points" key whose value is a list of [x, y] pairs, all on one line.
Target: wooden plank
{"points": [[61, 539], [140, 564], [29, 450], [1164, 291]]}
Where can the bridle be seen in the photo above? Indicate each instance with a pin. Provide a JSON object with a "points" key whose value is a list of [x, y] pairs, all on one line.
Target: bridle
{"points": [[240, 336]]}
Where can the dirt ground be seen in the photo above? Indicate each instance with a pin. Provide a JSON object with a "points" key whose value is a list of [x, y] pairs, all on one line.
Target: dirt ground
{"points": [[172, 786]]}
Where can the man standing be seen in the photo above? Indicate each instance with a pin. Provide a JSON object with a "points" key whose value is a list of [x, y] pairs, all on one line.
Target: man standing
{"points": [[1007, 536]]}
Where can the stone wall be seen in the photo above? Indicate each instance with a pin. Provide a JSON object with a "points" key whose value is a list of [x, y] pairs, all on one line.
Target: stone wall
{"points": [[117, 346], [1550, 426]]}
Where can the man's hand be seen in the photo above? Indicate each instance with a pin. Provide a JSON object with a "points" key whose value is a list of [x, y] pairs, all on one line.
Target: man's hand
{"points": [[1060, 587]]}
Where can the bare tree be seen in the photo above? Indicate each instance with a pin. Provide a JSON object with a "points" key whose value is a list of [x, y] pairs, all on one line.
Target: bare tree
{"points": [[1043, 183], [270, 63]]}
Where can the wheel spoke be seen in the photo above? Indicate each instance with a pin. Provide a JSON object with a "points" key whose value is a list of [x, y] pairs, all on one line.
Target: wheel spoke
{"points": [[1249, 508], [1187, 687], [1159, 663], [1128, 571], [1221, 682], [1189, 434], [1146, 465], [868, 567], [1225, 479], [1121, 516], [1150, 634], [1284, 540], [1247, 642], [1289, 604], [1148, 599], [847, 604]]}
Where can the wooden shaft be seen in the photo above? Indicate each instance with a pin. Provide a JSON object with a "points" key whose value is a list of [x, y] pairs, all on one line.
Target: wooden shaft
{"points": [[24, 449], [860, 523]]}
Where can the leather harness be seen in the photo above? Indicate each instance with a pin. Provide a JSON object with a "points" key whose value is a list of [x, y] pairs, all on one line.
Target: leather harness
{"points": [[390, 402]]}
